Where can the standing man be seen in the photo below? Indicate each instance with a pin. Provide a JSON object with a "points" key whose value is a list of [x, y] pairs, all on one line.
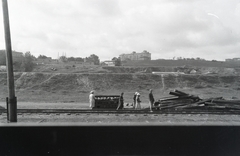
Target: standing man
{"points": [[134, 99], [92, 99], [151, 99], [120, 102], [138, 101]]}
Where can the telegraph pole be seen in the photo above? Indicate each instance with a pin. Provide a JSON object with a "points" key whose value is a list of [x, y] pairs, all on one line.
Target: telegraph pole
{"points": [[11, 100]]}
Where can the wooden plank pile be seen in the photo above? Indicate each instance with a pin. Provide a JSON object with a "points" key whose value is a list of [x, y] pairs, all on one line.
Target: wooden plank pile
{"points": [[183, 101]]}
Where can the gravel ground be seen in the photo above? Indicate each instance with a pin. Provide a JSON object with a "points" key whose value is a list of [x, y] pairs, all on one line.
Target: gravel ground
{"points": [[125, 119], [119, 119]]}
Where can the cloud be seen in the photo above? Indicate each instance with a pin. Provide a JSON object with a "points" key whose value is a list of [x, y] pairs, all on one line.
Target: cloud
{"points": [[109, 28], [210, 14]]}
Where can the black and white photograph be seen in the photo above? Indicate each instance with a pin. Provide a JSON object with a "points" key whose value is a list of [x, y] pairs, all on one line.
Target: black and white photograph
{"points": [[120, 77]]}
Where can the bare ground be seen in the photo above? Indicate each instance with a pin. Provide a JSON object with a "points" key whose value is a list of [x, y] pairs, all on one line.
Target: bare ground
{"points": [[70, 91], [126, 119], [113, 119]]}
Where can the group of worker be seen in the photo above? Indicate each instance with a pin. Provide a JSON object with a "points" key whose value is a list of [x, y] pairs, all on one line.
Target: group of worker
{"points": [[136, 100]]}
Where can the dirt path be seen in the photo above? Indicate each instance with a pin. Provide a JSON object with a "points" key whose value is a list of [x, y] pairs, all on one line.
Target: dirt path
{"points": [[34, 105], [119, 119], [126, 119]]}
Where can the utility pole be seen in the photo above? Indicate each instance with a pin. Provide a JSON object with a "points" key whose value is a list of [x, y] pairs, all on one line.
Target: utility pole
{"points": [[11, 100]]}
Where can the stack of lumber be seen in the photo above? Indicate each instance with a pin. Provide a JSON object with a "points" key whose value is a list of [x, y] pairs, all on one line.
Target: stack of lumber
{"points": [[181, 101], [213, 104], [177, 99]]}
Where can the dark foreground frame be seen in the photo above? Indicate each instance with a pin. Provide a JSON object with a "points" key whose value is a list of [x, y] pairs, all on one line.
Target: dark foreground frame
{"points": [[120, 140]]}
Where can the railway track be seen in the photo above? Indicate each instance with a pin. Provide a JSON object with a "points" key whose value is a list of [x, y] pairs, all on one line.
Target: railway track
{"points": [[104, 111]]}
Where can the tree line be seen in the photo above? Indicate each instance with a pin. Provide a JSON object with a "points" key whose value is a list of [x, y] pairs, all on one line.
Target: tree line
{"points": [[26, 62], [92, 58]]}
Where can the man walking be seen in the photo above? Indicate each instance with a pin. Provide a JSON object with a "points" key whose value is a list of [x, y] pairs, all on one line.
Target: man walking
{"points": [[134, 99], [120, 102]]}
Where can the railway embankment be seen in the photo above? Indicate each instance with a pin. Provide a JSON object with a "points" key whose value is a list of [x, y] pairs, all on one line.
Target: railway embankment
{"points": [[123, 81], [70, 86]]}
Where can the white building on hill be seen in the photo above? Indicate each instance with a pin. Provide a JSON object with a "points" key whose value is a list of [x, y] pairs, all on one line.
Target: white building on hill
{"points": [[145, 55], [109, 63]]}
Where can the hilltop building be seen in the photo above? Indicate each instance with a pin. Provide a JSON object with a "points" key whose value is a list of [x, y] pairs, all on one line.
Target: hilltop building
{"points": [[145, 55], [17, 56], [108, 63]]}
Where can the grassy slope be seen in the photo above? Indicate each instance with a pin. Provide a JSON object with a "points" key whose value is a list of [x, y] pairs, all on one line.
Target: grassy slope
{"points": [[72, 83], [75, 87]]}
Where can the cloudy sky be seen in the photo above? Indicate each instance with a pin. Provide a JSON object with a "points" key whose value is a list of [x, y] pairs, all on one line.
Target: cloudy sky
{"points": [[108, 28]]}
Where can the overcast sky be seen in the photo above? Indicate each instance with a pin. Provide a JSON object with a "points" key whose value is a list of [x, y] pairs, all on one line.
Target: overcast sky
{"points": [[108, 28]]}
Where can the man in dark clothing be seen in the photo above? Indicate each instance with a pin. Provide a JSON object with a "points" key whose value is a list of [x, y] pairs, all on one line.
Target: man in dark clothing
{"points": [[134, 99], [151, 99], [120, 102]]}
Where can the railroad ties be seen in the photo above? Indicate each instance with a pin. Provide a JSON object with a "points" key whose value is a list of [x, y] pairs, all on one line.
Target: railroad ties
{"points": [[184, 102], [144, 111]]}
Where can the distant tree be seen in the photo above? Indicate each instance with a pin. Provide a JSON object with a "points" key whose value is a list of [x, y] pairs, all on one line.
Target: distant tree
{"points": [[93, 58], [63, 58], [113, 59], [117, 61], [42, 57], [145, 51], [71, 59], [79, 59], [27, 63], [200, 59]]}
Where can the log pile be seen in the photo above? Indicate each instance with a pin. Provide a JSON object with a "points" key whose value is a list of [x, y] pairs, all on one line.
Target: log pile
{"points": [[184, 101]]}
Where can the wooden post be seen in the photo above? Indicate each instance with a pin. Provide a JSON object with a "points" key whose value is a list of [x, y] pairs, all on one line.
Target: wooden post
{"points": [[12, 101]]}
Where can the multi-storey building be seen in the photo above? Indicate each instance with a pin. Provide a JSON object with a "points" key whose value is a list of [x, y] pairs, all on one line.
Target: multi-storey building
{"points": [[145, 55], [17, 56]]}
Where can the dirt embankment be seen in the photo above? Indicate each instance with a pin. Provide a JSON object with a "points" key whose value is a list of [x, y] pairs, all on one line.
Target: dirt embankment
{"points": [[185, 69], [74, 87]]}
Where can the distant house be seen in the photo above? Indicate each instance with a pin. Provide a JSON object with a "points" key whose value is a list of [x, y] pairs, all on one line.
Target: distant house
{"points": [[145, 55], [109, 63], [3, 68]]}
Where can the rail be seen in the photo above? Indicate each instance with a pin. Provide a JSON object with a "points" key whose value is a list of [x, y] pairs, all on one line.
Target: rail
{"points": [[104, 111]]}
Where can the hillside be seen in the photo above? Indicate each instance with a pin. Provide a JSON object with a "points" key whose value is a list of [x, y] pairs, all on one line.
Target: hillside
{"points": [[175, 63], [75, 87], [65, 82], [187, 69]]}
